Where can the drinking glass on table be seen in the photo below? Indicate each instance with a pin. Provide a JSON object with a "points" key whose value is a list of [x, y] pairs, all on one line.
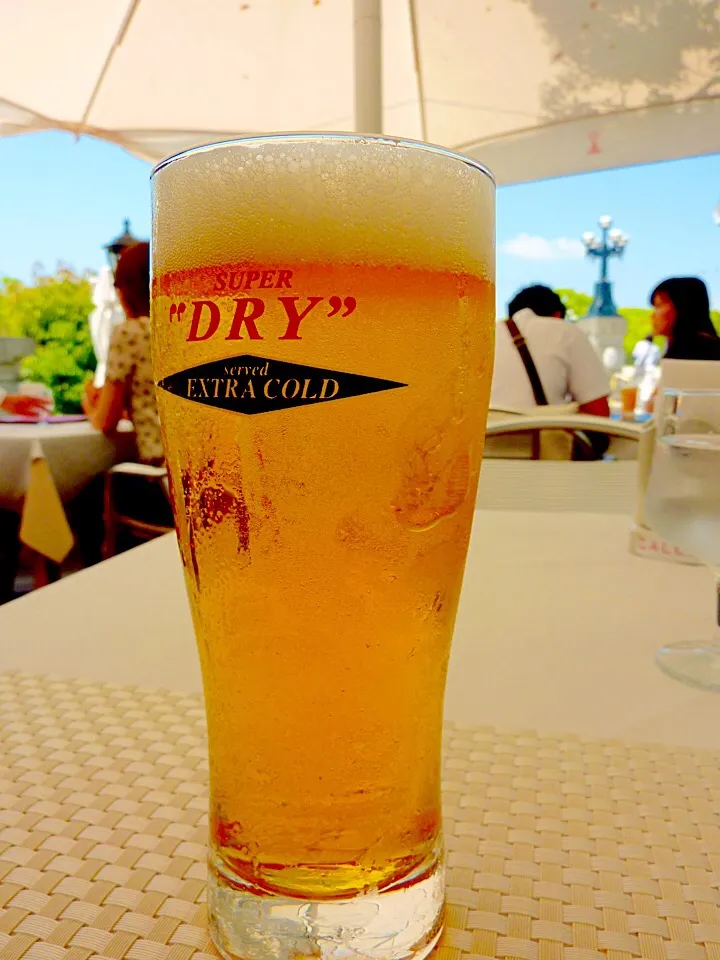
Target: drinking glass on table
{"points": [[629, 397], [323, 318], [683, 506]]}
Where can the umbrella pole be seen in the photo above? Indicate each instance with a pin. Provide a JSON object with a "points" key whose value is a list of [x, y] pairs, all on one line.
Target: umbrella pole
{"points": [[368, 66]]}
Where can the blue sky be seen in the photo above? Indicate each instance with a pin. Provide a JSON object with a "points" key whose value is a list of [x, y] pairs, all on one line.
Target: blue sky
{"points": [[61, 200]]}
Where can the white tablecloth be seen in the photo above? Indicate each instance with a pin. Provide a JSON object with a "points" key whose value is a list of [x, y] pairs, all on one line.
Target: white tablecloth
{"points": [[556, 631], [75, 453]]}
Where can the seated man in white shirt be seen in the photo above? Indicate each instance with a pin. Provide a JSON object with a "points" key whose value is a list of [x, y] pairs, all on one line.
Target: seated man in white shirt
{"points": [[568, 367]]}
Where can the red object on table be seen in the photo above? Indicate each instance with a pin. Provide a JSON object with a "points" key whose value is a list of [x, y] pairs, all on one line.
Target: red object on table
{"points": [[54, 418]]}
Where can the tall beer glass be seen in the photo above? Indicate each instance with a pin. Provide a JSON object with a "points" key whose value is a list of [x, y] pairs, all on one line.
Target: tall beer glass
{"points": [[323, 318]]}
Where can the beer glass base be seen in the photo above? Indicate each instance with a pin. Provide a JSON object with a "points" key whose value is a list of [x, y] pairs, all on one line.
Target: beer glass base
{"points": [[400, 922]]}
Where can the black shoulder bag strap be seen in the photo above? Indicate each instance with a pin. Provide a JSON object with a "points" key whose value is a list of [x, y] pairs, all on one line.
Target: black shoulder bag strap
{"points": [[522, 348]]}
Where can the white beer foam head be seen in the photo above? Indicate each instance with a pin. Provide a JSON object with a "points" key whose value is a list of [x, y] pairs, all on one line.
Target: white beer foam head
{"points": [[328, 199]]}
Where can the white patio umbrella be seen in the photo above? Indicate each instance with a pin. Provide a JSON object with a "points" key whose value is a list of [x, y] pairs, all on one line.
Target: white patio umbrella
{"points": [[534, 88]]}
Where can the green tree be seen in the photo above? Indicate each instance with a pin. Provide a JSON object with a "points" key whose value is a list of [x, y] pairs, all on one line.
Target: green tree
{"points": [[577, 304], [54, 311], [638, 327]]}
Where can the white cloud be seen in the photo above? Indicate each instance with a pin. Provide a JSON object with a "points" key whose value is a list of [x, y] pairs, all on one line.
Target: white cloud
{"points": [[527, 247]]}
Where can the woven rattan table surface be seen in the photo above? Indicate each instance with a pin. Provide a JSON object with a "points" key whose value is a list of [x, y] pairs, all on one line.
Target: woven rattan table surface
{"points": [[558, 848]]}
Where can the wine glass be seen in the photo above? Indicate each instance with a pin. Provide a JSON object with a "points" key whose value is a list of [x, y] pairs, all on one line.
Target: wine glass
{"points": [[683, 506]]}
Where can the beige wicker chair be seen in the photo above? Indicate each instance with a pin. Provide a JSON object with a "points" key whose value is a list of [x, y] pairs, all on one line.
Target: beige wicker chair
{"points": [[499, 412], [519, 436]]}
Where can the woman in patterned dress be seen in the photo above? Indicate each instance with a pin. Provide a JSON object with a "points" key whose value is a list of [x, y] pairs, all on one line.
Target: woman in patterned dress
{"points": [[129, 389], [129, 383]]}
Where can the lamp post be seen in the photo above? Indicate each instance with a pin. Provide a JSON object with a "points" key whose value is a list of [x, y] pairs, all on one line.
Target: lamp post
{"points": [[120, 243], [611, 243]]}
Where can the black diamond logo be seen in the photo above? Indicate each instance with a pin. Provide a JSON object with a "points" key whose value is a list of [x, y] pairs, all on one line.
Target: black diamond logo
{"points": [[249, 384]]}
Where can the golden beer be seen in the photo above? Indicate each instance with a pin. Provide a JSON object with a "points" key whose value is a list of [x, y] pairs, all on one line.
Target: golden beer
{"points": [[323, 317]]}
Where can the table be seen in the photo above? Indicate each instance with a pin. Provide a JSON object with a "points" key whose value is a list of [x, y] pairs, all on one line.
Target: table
{"points": [[556, 630], [44, 464], [75, 453], [558, 848]]}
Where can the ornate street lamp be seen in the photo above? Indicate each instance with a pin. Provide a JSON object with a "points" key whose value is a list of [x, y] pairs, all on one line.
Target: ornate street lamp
{"points": [[611, 243], [120, 243]]}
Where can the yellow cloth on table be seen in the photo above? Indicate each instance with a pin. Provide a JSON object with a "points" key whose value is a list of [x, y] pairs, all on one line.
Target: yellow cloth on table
{"points": [[44, 526]]}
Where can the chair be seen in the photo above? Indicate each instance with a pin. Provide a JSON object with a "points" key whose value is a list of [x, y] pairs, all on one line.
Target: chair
{"points": [[685, 375], [524, 446], [507, 411], [623, 436], [114, 520], [548, 410]]}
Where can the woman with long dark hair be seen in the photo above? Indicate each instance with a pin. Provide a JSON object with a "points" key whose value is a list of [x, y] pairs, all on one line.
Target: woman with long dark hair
{"points": [[681, 312]]}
